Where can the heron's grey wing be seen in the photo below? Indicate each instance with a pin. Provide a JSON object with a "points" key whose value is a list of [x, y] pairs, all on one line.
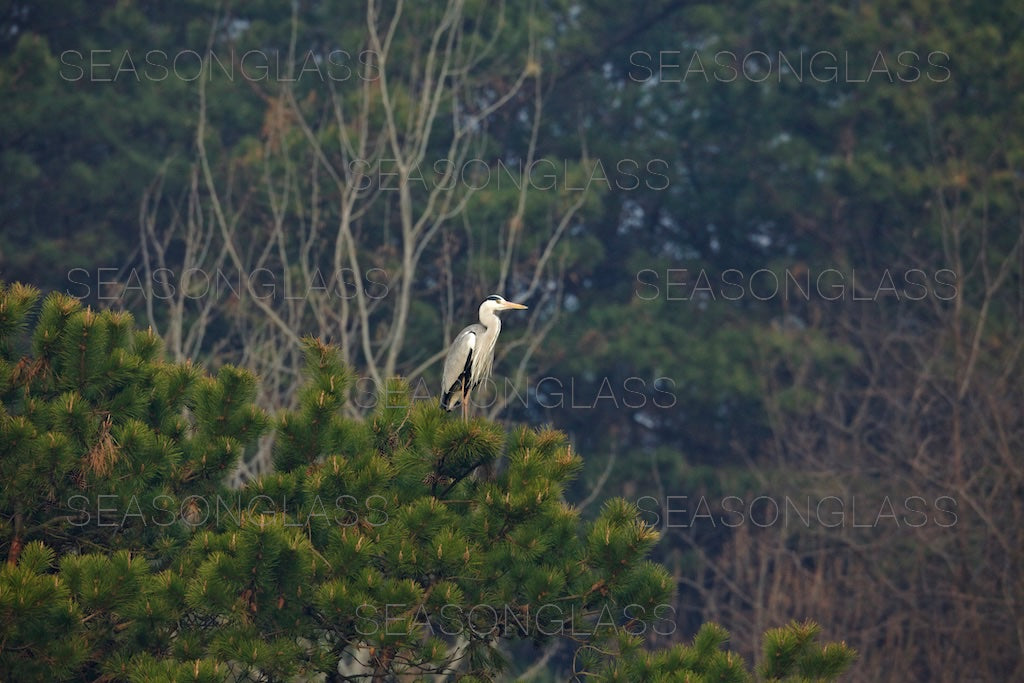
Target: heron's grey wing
{"points": [[457, 362]]}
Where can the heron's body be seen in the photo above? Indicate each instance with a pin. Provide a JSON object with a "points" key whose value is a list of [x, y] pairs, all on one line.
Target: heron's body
{"points": [[471, 354]]}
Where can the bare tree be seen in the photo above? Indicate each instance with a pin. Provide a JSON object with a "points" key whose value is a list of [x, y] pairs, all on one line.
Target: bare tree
{"points": [[374, 212], [894, 515]]}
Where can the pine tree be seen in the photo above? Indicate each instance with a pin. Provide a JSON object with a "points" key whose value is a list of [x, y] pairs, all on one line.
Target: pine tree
{"points": [[375, 548]]}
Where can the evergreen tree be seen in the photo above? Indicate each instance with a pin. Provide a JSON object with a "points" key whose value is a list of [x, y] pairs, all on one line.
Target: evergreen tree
{"points": [[375, 548]]}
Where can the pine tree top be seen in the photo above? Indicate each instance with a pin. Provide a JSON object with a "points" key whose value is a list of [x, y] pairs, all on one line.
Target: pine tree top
{"points": [[406, 542]]}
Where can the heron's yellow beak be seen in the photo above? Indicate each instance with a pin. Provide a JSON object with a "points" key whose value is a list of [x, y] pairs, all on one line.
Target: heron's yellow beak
{"points": [[509, 304]]}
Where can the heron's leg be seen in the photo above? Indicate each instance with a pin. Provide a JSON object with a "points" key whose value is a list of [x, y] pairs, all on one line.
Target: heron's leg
{"points": [[465, 407]]}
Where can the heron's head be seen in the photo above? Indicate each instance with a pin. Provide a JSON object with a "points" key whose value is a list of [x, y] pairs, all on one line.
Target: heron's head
{"points": [[495, 303]]}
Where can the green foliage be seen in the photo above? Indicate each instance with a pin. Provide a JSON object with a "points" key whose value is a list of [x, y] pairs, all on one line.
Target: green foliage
{"points": [[36, 605], [791, 654], [88, 125], [99, 435], [411, 542]]}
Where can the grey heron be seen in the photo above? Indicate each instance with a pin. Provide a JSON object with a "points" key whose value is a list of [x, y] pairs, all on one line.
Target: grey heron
{"points": [[471, 354]]}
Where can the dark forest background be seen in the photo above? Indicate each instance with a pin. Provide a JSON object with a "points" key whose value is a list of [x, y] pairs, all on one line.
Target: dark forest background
{"points": [[772, 253]]}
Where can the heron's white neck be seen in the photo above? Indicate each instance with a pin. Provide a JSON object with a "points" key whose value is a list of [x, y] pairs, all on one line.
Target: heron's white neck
{"points": [[489, 319], [483, 356]]}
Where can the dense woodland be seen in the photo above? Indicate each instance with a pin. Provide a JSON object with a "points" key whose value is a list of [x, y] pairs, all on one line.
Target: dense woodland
{"points": [[773, 258]]}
